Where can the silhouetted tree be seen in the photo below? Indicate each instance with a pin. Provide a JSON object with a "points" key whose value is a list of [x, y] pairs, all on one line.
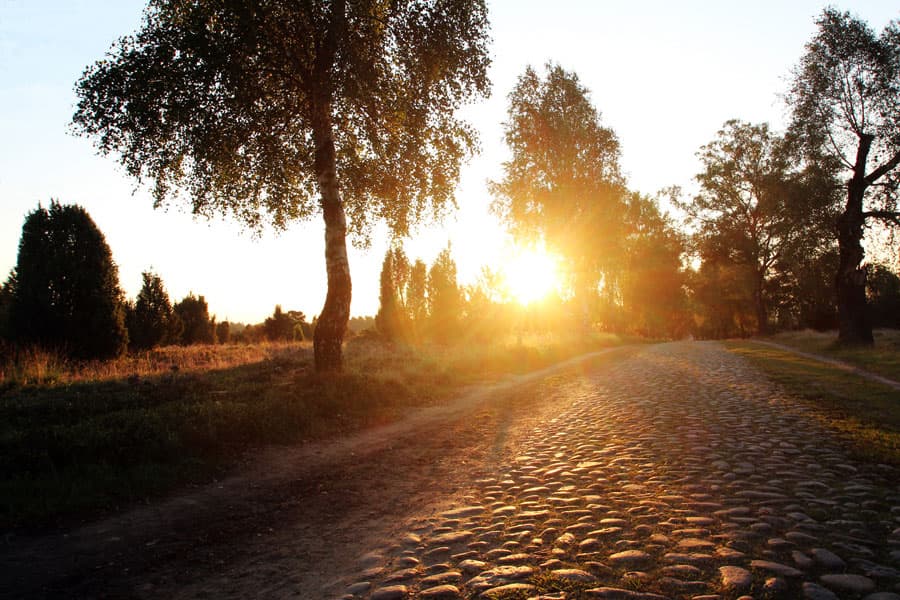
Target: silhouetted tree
{"points": [[284, 326], [196, 325], [884, 297], [563, 182], [845, 108], [280, 110], [812, 287], [67, 294], [7, 291], [223, 332], [760, 206], [150, 319], [444, 299]]}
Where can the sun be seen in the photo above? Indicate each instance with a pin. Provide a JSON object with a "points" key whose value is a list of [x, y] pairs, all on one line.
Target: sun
{"points": [[530, 275]]}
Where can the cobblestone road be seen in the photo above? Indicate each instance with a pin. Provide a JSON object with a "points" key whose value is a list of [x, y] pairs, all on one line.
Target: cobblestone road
{"points": [[679, 473]]}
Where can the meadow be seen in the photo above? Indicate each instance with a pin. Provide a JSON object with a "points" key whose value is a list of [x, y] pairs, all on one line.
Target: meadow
{"points": [[78, 439]]}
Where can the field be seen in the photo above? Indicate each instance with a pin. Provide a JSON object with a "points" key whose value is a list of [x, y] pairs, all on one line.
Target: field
{"points": [[77, 440], [865, 413]]}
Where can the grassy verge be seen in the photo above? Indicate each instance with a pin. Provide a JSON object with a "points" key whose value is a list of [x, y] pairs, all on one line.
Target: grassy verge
{"points": [[78, 441], [865, 413], [883, 358]]}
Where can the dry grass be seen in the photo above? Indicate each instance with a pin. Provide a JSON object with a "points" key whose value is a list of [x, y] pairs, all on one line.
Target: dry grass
{"points": [[34, 366], [75, 439]]}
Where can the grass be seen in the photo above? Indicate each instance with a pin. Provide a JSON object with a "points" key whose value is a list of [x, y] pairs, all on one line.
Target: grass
{"points": [[866, 414], [77, 440], [883, 358]]}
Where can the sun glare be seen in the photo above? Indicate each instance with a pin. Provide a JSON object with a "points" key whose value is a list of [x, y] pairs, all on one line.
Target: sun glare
{"points": [[530, 275]]}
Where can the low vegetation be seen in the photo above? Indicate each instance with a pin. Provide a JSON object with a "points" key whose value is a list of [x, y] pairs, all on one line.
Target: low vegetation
{"points": [[76, 439], [864, 412], [883, 358]]}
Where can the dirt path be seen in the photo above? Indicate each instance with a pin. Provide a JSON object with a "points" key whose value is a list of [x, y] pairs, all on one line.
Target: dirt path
{"points": [[295, 521], [676, 472]]}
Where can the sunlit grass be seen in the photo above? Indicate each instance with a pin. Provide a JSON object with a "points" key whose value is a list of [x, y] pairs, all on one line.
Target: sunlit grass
{"points": [[75, 440], [866, 414], [883, 358]]}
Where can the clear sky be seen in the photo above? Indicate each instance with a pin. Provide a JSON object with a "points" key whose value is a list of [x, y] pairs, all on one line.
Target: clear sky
{"points": [[665, 76]]}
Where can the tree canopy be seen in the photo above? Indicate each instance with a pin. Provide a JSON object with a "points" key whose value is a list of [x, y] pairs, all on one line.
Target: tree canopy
{"points": [[66, 294], [150, 320], [757, 209], [273, 111], [845, 108], [194, 322], [563, 181]]}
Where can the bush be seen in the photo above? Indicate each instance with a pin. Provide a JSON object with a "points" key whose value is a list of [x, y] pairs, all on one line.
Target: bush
{"points": [[66, 295]]}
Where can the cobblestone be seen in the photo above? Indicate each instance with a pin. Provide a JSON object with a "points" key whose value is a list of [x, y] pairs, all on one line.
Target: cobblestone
{"points": [[682, 474]]}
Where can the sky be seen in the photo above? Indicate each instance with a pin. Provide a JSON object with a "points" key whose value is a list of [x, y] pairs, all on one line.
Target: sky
{"points": [[664, 75]]}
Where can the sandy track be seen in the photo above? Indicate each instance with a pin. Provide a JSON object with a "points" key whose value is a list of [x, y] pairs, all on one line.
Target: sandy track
{"points": [[293, 521]]}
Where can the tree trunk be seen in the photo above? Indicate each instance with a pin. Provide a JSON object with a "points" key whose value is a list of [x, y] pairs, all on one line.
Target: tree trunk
{"points": [[762, 313], [854, 325], [332, 323]]}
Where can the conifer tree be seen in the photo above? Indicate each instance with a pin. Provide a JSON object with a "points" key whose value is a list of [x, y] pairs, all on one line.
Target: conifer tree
{"points": [[67, 294]]}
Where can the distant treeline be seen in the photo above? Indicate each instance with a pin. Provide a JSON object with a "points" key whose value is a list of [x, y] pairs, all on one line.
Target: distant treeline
{"points": [[64, 295]]}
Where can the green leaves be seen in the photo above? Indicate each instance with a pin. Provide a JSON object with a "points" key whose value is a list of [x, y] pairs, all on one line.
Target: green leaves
{"points": [[214, 100]]}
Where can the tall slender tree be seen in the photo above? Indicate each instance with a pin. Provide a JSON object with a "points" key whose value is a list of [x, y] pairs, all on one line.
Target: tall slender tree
{"points": [[417, 299], [150, 320], [563, 182], [273, 111], [392, 320], [444, 299], [845, 107]]}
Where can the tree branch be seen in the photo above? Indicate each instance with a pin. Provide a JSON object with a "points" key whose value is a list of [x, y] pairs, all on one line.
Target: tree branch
{"points": [[890, 216], [883, 169]]}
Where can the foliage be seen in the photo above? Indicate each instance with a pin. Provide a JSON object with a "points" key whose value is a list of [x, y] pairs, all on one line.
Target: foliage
{"points": [[195, 325], [7, 292], [276, 111], [393, 320], [722, 300], [563, 182], [812, 284], [150, 321], [444, 299], [845, 110], [757, 211], [66, 291], [284, 326], [223, 332], [652, 279], [416, 299], [883, 293]]}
